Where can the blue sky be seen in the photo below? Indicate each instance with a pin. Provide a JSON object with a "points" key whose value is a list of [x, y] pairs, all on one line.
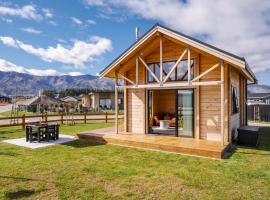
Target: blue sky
{"points": [[83, 36]]}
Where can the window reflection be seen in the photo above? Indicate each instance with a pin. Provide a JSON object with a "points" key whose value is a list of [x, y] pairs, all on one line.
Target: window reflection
{"points": [[180, 73]]}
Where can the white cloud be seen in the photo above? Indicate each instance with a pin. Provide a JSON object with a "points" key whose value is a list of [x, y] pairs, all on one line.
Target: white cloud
{"points": [[7, 66], [53, 23], [25, 12], [7, 20], [75, 73], [90, 21], [47, 12], [241, 27], [78, 54], [76, 21], [31, 30]]}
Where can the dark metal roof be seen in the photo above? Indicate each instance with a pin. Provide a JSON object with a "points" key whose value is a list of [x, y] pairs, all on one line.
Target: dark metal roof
{"points": [[186, 36]]}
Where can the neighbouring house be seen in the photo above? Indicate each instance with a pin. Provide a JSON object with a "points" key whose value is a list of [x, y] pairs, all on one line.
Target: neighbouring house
{"points": [[41, 104], [177, 85], [102, 100], [72, 103], [4, 100], [258, 98]]}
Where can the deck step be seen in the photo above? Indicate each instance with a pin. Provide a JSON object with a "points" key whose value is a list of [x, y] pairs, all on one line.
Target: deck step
{"points": [[164, 143]]}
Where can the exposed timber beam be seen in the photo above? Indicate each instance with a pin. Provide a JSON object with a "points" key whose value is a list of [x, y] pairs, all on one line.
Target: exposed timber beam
{"points": [[174, 85], [206, 72], [222, 95], [125, 78], [189, 63], [147, 67], [137, 70], [116, 102], [161, 59], [175, 65]]}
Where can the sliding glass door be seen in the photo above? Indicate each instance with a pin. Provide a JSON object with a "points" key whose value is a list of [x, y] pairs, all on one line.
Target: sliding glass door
{"points": [[184, 113]]}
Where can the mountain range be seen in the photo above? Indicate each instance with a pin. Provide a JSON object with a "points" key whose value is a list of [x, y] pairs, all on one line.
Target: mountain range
{"points": [[255, 88], [25, 84]]}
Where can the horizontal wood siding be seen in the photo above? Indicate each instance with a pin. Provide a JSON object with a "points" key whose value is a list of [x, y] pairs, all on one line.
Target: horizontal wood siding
{"points": [[210, 124], [136, 110]]}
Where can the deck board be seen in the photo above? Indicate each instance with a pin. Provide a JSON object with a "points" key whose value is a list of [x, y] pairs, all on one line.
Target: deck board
{"points": [[188, 146]]}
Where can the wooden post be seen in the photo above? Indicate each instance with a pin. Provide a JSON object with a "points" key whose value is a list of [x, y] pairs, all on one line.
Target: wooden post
{"points": [[189, 67], [116, 103], [85, 117], [46, 117], [62, 118], [197, 98], [137, 70], [222, 90], [23, 121], [106, 117], [161, 61]]}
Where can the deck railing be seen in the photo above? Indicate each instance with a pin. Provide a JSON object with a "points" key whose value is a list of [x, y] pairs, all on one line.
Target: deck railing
{"points": [[24, 120]]}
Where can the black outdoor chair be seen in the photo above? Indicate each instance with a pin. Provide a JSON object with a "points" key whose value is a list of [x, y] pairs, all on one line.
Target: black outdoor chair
{"points": [[33, 133], [52, 132]]}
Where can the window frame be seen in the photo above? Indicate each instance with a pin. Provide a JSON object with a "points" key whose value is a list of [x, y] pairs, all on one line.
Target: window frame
{"points": [[234, 100], [156, 64]]}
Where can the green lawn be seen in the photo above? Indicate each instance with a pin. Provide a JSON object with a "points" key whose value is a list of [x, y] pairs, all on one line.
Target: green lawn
{"points": [[20, 113], [88, 170]]}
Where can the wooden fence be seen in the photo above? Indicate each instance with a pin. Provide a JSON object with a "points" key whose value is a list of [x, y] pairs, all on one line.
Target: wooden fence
{"points": [[61, 118], [259, 113]]}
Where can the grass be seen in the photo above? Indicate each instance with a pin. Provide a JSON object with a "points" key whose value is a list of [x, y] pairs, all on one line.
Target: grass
{"points": [[20, 113], [86, 170]]}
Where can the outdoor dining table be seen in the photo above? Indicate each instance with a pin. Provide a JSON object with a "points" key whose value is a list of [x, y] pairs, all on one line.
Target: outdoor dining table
{"points": [[41, 132]]}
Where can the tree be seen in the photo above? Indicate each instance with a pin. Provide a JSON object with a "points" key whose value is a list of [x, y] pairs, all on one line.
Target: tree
{"points": [[49, 93]]}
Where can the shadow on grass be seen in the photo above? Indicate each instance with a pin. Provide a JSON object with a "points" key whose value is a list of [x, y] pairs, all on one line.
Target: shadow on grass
{"points": [[263, 144], [24, 179], [82, 143], [23, 193], [8, 154]]}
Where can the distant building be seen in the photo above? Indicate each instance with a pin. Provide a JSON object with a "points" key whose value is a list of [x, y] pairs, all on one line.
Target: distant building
{"points": [[4, 100], [101, 100], [72, 102], [259, 98]]}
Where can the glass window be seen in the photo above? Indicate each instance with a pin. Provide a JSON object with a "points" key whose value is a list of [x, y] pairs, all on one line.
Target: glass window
{"points": [[149, 76], [182, 70], [235, 106], [185, 113], [166, 69], [179, 74], [105, 103]]}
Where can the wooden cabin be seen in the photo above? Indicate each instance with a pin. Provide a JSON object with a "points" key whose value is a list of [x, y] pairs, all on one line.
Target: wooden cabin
{"points": [[176, 85]]}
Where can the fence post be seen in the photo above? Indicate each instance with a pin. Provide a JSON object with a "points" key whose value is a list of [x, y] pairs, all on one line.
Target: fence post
{"points": [[85, 117], [106, 117], [46, 117], [62, 118], [23, 121]]}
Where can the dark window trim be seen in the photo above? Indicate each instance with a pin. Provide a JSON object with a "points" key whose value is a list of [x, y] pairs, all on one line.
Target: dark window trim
{"points": [[234, 100]]}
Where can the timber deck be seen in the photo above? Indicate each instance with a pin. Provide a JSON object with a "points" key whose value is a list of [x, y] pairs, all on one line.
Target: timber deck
{"points": [[189, 146]]}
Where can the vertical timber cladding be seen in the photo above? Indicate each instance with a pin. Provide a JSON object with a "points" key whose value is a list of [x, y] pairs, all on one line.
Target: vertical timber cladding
{"points": [[210, 102], [136, 99]]}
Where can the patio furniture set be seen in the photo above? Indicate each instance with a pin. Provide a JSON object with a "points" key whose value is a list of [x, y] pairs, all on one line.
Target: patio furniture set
{"points": [[42, 132]]}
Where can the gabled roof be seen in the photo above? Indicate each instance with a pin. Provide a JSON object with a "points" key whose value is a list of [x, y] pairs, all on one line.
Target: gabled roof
{"points": [[229, 57], [70, 99]]}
